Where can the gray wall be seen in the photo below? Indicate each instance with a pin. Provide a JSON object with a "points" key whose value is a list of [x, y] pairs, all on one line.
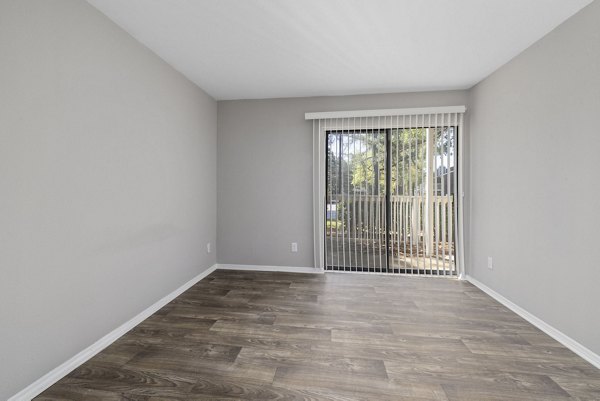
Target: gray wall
{"points": [[535, 154], [107, 180], [264, 184]]}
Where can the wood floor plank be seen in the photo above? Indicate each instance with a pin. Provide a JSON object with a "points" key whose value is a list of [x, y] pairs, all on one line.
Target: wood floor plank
{"points": [[131, 381], [584, 389], [178, 360], [211, 387], [343, 322], [268, 331], [351, 383], [69, 392], [332, 363], [245, 335], [506, 387]]}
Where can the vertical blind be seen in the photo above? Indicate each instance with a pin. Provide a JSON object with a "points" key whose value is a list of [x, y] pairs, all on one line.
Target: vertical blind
{"points": [[388, 185]]}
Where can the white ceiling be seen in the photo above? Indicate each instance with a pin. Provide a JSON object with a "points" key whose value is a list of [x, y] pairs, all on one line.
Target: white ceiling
{"points": [[243, 49]]}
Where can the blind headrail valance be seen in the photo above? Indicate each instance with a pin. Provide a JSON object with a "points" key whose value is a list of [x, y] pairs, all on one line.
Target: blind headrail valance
{"points": [[384, 112]]}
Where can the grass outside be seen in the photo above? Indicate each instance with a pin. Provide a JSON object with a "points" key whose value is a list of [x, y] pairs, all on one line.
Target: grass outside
{"points": [[333, 225]]}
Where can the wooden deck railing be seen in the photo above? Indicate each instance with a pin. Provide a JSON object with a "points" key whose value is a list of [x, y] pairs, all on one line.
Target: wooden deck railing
{"points": [[418, 227]]}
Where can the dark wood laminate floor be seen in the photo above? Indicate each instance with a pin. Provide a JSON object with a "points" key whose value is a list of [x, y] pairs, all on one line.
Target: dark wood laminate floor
{"points": [[284, 336]]}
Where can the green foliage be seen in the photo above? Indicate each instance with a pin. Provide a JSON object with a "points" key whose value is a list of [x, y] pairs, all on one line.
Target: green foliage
{"points": [[408, 153], [362, 167]]}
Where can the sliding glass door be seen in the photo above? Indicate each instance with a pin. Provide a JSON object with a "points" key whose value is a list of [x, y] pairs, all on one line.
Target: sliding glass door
{"points": [[390, 199]]}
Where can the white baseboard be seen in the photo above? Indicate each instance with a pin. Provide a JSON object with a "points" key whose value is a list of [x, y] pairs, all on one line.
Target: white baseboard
{"points": [[558, 335], [288, 269], [62, 370]]}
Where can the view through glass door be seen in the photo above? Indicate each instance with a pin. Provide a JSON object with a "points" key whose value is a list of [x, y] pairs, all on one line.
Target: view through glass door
{"points": [[390, 200]]}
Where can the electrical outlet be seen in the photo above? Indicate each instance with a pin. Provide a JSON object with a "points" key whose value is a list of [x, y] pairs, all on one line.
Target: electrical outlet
{"points": [[294, 247], [490, 263], [208, 247]]}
